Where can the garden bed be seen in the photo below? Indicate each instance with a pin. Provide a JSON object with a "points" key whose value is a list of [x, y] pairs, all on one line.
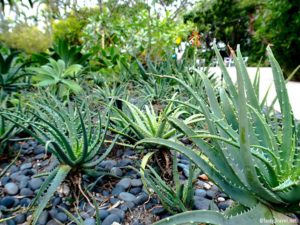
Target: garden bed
{"points": [[121, 199]]}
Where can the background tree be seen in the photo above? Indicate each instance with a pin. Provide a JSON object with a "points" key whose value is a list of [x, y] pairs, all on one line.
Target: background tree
{"points": [[278, 24]]}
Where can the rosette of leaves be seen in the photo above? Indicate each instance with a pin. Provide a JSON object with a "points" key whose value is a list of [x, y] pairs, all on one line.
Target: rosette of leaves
{"points": [[73, 135], [150, 122], [58, 78], [252, 161], [70, 54], [115, 91]]}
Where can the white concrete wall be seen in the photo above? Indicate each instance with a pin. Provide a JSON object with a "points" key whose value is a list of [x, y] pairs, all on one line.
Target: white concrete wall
{"points": [[267, 80]]}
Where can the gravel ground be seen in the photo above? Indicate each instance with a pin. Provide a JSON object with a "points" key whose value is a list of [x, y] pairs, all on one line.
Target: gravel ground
{"points": [[121, 200]]}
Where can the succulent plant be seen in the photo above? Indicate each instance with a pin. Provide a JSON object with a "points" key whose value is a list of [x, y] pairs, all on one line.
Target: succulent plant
{"points": [[70, 133], [58, 77], [11, 76], [149, 122], [174, 199], [254, 163]]}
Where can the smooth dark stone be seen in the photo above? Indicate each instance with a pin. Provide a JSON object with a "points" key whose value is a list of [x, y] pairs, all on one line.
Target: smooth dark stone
{"points": [[10, 222], [26, 192], [124, 162], [53, 222], [103, 213], [113, 200], [25, 166], [200, 192], [43, 218], [39, 156], [32, 143], [25, 202], [224, 205], [124, 208], [11, 188], [108, 164], [84, 215], [23, 183], [13, 169], [39, 150], [62, 217], [210, 194], [185, 162], [53, 212], [20, 218], [157, 210], [223, 195], [127, 197], [29, 172], [5, 180], [16, 203], [118, 212], [130, 205], [56, 201], [125, 183], [117, 190], [7, 201], [215, 188], [148, 205], [35, 183], [105, 193], [110, 219], [19, 177], [131, 174], [90, 221], [141, 199], [201, 203], [135, 190], [136, 182], [200, 184]]}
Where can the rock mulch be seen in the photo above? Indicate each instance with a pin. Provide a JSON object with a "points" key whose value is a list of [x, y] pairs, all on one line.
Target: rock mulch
{"points": [[121, 200]]}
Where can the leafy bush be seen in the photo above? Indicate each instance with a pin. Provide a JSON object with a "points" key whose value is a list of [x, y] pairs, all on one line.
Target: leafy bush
{"points": [[27, 38], [278, 24], [255, 163]]}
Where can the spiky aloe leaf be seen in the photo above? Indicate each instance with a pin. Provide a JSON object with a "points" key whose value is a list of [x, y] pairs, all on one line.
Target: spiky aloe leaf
{"points": [[287, 149], [247, 159], [257, 215], [243, 195], [62, 172]]}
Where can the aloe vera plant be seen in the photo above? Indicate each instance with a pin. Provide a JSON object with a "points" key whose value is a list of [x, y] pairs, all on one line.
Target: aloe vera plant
{"points": [[255, 163], [11, 76], [148, 123], [7, 131], [72, 134], [174, 199]]}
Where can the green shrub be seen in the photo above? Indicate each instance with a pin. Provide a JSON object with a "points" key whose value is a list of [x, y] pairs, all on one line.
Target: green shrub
{"points": [[27, 38]]}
